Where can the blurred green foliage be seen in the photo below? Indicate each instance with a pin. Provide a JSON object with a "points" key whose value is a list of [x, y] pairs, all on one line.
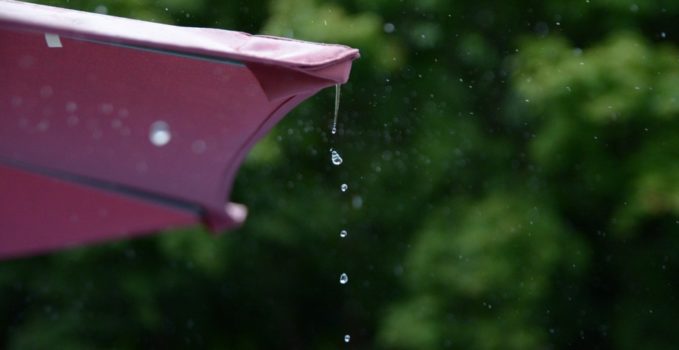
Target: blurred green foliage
{"points": [[513, 185]]}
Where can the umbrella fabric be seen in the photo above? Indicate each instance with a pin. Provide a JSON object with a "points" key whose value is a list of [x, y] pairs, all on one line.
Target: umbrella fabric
{"points": [[112, 127]]}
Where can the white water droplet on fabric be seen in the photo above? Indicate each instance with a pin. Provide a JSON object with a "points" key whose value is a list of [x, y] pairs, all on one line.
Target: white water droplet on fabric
{"points": [[159, 133], [116, 123], [43, 125], [199, 146], [335, 157], [17, 101], [72, 120], [343, 233], [344, 187], [106, 108], [46, 91], [344, 278], [71, 107], [347, 338]]}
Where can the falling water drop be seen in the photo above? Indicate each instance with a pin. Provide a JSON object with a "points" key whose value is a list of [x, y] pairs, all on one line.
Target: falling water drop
{"points": [[343, 233], [347, 338], [337, 101], [344, 187], [335, 157], [344, 278]]}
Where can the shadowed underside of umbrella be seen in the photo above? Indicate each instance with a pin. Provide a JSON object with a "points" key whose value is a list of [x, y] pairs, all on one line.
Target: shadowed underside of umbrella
{"points": [[112, 127]]}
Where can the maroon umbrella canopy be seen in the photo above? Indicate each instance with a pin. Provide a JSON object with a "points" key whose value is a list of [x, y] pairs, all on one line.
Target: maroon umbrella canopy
{"points": [[111, 127]]}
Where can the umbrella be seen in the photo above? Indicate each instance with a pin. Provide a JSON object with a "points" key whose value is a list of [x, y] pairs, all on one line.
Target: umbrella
{"points": [[112, 127]]}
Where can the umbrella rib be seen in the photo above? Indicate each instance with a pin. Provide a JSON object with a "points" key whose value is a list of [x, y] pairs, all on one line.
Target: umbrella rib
{"points": [[162, 51], [189, 55], [106, 185]]}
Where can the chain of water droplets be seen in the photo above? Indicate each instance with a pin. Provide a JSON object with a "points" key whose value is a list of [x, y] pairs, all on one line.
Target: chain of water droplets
{"points": [[337, 100], [336, 160]]}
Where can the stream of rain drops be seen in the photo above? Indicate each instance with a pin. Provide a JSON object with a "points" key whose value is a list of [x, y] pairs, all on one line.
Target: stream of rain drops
{"points": [[337, 100], [336, 160]]}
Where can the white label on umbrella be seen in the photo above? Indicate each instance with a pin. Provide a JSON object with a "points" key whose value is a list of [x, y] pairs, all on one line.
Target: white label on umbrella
{"points": [[52, 40]]}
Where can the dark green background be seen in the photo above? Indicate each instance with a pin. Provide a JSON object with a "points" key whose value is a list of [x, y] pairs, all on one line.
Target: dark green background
{"points": [[516, 166]]}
